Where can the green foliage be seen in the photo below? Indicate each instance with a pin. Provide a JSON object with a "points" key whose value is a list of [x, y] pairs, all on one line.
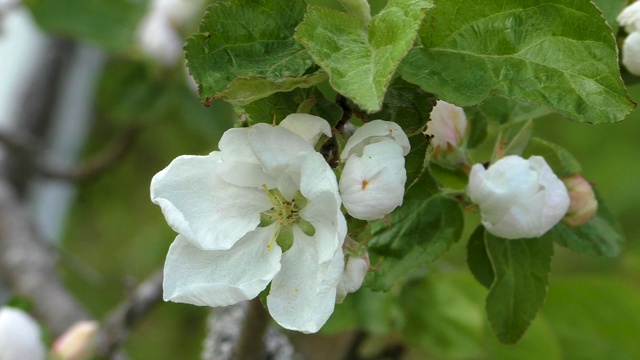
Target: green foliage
{"points": [[362, 63], [108, 23], [559, 159], [610, 10], [478, 258], [420, 231], [534, 51], [252, 56], [521, 269]]}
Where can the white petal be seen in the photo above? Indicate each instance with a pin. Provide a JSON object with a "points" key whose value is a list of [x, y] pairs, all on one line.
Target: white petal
{"points": [[303, 293], [355, 271], [630, 17], [319, 186], [200, 206], [275, 146], [520, 222], [220, 277], [369, 132], [239, 164], [631, 52], [20, 337], [309, 127], [372, 185]]}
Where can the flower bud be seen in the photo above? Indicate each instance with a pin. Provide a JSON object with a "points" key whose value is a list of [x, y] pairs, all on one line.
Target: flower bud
{"points": [[78, 342], [631, 53], [355, 270], [447, 126], [583, 201], [20, 337], [518, 198], [630, 18]]}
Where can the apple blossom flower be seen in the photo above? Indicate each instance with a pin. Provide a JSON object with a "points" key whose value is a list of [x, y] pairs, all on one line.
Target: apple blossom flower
{"points": [[584, 204], [630, 18], [20, 336], [631, 53], [447, 125], [518, 198], [373, 178], [264, 209], [78, 342]]}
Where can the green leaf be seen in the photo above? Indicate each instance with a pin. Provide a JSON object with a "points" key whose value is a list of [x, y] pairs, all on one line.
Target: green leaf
{"points": [[599, 236], [521, 270], [558, 158], [421, 230], [610, 10], [277, 106], [361, 63], [452, 178], [502, 110], [514, 138], [595, 317], [415, 161], [108, 23], [407, 105], [245, 50], [478, 258], [537, 51]]}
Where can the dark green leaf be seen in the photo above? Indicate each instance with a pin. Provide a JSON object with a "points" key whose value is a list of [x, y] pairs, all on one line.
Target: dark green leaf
{"points": [[415, 161], [108, 23], [361, 63], [521, 269], [503, 110], [537, 51], [448, 177], [245, 50], [421, 230], [478, 258]]}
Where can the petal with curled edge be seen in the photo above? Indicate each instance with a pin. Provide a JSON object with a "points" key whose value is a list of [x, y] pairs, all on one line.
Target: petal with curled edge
{"points": [[309, 127], [372, 132], [211, 213], [221, 277], [303, 293], [372, 185], [275, 147]]}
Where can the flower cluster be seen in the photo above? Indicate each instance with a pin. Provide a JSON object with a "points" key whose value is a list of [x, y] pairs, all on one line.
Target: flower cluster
{"points": [[264, 212], [630, 19]]}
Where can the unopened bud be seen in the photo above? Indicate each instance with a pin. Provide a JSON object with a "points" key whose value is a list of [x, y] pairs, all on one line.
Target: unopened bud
{"points": [[20, 337], [447, 126], [583, 201], [77, 343]]}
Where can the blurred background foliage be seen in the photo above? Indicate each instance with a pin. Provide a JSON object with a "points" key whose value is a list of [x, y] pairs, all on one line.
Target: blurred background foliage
{"points": [[115, 236]]}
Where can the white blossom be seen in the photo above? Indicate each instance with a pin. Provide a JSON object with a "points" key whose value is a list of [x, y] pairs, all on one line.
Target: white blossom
{"points": [[447, 125], [631, 53], [264, 209], [518, 198], [355, 270], [372, 181], [630, 18], [20, 337]]}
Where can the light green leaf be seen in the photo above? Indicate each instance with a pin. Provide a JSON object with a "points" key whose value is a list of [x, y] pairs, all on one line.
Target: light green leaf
{"points": [[537, 51], [521, 269], [361, 63], [599, 236], [421, 230], [108, 23], [478, 258], [558, 158], [244, 50], [359, 9]]}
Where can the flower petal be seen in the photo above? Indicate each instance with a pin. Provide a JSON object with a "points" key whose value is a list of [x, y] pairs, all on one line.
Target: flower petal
{"points": [[220, 277], [202, 207], [309, 127], [303, 293], [275, 147], [239, 164], [20, 336], [372, 185], [319, 186], [631, 52], [372, 130]]}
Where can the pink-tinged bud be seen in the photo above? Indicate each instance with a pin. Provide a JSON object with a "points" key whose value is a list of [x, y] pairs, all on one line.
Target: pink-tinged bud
{"points": [[583, 201], [78, 342], [447, 126], [20, 337]]}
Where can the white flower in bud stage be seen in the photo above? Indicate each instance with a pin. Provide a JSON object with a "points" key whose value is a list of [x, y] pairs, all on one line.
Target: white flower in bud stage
{"points": [[355, 270], [631, 53], [373, 178], [630, 18], [447, 125], [20, 337], [264, 209], [78, 342], [518, 198]]}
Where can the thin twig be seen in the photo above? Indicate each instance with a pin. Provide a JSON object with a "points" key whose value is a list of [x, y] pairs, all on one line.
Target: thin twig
{"points": [[119, 323], [28, 145], [27, 265]]}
